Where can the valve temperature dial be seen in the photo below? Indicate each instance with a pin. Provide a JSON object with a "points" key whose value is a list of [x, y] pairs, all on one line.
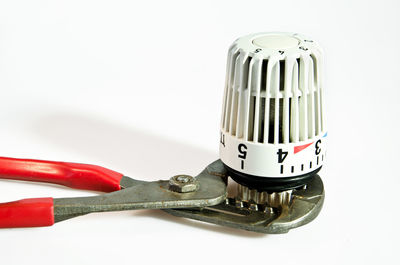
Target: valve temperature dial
{"points": [[273, 129]]}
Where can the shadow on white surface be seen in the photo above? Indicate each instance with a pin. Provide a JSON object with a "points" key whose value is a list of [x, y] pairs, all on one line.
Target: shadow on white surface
{"points": [[143, 154], [135, 152], [159, 214]]}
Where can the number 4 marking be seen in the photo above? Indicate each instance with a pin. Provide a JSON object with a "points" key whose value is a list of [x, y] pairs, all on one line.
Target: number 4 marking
{"points": [[281, 155]]}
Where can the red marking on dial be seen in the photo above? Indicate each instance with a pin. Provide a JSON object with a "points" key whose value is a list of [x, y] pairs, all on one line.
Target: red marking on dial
{"points": [[301, 147]]}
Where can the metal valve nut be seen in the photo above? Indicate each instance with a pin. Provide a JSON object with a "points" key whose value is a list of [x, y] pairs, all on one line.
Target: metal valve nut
{"points": [[183, 184]]}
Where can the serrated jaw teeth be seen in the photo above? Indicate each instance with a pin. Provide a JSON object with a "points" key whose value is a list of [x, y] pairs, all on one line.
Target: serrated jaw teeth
{"points": [[274, 199]]}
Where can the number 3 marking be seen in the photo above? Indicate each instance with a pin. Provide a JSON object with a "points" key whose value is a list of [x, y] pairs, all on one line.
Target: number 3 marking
{"points": [[317, 148]]}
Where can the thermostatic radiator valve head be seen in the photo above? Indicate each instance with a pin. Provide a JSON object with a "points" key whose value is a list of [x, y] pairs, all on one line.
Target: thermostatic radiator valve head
{"points": [[273, 129]]}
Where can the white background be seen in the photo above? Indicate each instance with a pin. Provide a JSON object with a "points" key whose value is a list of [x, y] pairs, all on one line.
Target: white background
{"points": [[137, 87]]}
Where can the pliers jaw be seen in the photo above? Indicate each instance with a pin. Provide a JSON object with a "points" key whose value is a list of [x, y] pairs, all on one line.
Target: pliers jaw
{"points": [[303, 207], [136, 194]]}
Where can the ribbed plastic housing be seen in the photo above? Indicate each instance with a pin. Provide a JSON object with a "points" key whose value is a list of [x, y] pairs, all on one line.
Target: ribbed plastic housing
{"points": [[275, 98], [273, 123]]}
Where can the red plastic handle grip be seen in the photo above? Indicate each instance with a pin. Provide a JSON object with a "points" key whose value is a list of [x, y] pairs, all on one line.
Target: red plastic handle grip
{"points": [[74, 175], [27, 213]]}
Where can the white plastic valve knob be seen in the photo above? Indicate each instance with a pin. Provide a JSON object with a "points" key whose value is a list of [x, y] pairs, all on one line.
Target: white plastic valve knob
{"points": [[273, 121]]}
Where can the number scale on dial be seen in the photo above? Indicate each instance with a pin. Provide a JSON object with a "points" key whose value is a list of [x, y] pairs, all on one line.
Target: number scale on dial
{"points": [[283, 160]]}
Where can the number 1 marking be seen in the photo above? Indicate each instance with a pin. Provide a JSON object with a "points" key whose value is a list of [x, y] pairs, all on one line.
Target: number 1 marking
{"points": [[222, 139]]}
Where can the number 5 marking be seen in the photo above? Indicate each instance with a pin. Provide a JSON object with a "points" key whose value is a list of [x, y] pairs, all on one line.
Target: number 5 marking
{"points": [[242, 151]]}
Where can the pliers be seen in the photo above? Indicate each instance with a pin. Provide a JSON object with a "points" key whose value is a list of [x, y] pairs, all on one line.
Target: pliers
{"points": [[203, 198], [122, 193]]}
